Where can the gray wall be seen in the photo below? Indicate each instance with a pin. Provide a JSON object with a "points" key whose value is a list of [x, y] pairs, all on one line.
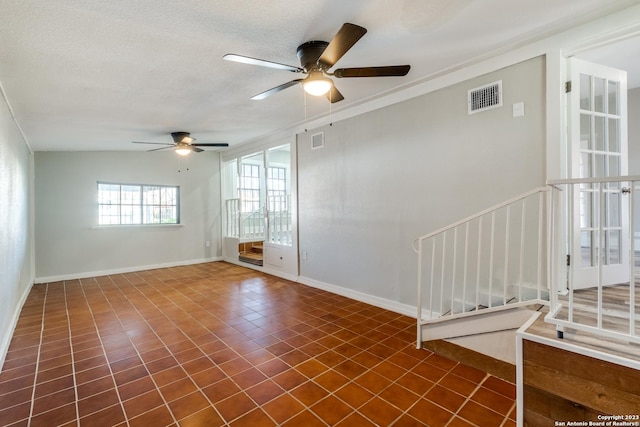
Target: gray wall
{"points": [[16, 224], [67, 241], [391, 175]]}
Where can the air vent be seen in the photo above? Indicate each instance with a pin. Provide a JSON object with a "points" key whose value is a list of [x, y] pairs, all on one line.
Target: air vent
{"points": [[485, 97], [317, 140]]}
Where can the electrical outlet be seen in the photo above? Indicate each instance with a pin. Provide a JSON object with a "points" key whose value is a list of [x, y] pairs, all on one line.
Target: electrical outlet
{"points": [[207, 244]]}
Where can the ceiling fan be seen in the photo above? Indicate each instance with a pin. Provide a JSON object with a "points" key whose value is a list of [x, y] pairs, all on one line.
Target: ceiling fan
{"points": [[183, 144], [316, 58]]}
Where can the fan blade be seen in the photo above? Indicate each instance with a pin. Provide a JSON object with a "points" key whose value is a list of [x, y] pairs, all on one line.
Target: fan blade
{"points": [[161, 148], [348, 35], [211, 144], [276, 89], [154, 143], [334, 95], [261, 62], [388, 71], [196, 149]]}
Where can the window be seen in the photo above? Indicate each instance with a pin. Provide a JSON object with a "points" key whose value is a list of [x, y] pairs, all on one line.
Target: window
{"points": [[277, 188], [250, 187], [134, 204]]}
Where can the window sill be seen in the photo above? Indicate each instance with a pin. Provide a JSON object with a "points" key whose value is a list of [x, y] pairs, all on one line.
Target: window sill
{"points": [[136, 226]]}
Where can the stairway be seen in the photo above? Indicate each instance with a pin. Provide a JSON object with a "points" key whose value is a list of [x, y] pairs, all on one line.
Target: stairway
{"points": [[251, 252]]}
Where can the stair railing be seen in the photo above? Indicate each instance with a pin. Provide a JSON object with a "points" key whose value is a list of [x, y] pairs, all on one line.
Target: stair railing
{"points": [[243, 225], [493, 260], [601, 293]]}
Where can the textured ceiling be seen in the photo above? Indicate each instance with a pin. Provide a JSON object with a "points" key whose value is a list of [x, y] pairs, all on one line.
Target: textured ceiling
{"points": [[95, 75]]}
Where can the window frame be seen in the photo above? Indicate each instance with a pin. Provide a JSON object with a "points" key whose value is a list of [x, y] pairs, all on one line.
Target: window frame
{"points": [[141, 205]]}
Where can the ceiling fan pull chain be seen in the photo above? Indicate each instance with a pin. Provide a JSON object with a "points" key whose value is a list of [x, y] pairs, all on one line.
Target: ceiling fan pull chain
{"points": [[330, 110], [304, 96]]}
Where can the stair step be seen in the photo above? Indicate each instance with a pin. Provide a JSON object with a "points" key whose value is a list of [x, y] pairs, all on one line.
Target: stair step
{"points": [[251, 258]]}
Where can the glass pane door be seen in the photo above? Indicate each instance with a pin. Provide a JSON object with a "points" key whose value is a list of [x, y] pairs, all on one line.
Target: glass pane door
{"points": [[597, 121]]}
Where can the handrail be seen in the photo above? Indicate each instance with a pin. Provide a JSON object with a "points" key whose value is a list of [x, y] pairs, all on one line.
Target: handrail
{"points": [[484, 263], [593, 180], [479, 214]]}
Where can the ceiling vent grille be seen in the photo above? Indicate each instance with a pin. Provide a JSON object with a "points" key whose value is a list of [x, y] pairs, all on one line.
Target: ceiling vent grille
{"points": [[485, 97], [317, 140]]}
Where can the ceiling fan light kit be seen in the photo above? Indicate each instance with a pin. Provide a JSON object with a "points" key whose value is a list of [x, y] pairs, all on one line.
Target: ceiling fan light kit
{"points": [[183, 144], [182, 150], [317, 84], [316, 58]]}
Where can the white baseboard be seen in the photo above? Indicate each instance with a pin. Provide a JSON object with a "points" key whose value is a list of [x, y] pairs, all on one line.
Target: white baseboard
{"points": [[8, 334], [396, 307], [387, 304], [123, 270]]}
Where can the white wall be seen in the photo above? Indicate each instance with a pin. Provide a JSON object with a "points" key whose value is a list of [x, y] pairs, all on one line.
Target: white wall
{"points": [[16, 225], [67, 241], [388, 176], [633, 102]]}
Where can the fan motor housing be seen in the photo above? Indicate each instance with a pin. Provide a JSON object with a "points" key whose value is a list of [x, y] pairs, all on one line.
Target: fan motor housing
{"points": [[309, 53]]}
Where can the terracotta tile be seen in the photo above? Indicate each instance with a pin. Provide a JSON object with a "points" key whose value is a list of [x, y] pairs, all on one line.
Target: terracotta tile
{"points": [[311, 368], [16, 398], [354, 364], [357, 420], [429, 372], [459, 422], [55, 417], [97, 402], [161, 416], [468, 373], [169, 376], [399, 396], [500, 386], [294, 357], [249, 378], [305, 419], [380, 412], [430, 414], [458, 384], [206, 417], [131, 374], [283, 408], [350, 369], [494, 401], [136, 388], [273, 367], [289, 379], [197, 365], [309, 393], [189, 404], [14, 414], [258, 356], [264, 392], [331, 410], [235, 406], [373, 382], [221, 390], [52, 374], [177, 389], [90, 363], [208, 377], [111, 416], [52, 401], [257, 417], [234, 366], [446, 398], [480, 415], [53, 386]]}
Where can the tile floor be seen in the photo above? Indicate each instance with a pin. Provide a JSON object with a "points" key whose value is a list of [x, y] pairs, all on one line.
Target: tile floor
{"points": [[216, 344]]}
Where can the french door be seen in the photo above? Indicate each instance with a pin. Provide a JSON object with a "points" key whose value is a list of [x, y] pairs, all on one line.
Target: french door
{"points": [[597, 125]]}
